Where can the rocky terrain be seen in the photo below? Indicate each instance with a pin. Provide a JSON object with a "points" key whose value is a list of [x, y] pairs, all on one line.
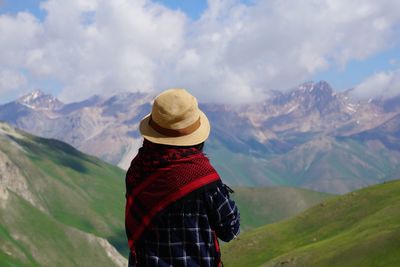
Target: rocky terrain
{"points": [[309, 136]]}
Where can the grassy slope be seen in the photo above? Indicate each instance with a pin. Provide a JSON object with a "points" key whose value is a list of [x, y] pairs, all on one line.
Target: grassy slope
{"points": [[33, 238], [264, 205], [358, 229], [82, 191], [76, 190]]}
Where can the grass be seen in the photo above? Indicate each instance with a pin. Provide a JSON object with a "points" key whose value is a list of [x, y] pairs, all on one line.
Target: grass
{"points": [[11, 247], [77, 191], [34, 238], [358, 229], [8, 261]]}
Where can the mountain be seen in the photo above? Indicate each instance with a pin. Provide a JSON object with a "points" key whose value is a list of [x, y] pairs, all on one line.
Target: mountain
{"points": [[61, 207], [358, 229], [314, 108], [251, 145], [58, 206], [104, 127], [322, 163], [388, 134], [38, 100]]}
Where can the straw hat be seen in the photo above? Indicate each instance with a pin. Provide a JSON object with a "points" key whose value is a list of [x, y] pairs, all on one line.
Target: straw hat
{"points": [[176, 120]]}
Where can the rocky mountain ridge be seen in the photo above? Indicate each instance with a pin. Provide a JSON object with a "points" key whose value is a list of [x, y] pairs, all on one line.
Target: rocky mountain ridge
{"points": [[316, 107], [40, 101], [272, 131]]}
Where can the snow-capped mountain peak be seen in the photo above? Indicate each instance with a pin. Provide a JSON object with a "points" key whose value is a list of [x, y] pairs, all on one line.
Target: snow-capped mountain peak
{"points": [[39, 100]]}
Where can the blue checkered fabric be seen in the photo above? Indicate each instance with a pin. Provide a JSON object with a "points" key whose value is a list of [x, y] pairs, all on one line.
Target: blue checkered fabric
{"points": [[185, 233]]}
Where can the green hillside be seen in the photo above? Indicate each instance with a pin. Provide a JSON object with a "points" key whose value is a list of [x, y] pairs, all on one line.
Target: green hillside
{"points": [[358, 229], [55, 201], [263, 205], [30, 237]]}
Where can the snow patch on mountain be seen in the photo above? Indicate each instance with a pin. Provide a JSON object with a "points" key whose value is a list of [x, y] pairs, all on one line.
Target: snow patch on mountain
{"points": [[38, 100]]}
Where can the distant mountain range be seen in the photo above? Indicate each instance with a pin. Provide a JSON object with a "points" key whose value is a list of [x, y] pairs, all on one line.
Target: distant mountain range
{"points": [[310, 136]]}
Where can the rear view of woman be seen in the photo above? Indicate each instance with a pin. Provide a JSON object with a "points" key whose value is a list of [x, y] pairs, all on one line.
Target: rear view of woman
{"points": [[176, 204]]}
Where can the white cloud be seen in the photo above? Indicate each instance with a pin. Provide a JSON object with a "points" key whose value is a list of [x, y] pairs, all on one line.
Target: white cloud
{"points": [[385, 84], [18, 34], [234, 52], [119, 49], [11, 80]]}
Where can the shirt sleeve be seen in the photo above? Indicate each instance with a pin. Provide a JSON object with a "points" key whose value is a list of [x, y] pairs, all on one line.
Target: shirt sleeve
{"points": [[224, 214]]}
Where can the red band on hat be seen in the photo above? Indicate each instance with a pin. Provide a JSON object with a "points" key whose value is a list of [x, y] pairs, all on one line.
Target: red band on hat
{"points": [[175, 133]]}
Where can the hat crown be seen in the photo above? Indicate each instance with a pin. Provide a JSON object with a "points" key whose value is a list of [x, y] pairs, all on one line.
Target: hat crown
{"points": [[175, 109]]}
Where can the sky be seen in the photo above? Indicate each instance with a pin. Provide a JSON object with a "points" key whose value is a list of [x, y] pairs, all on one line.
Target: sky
{"points": [[227, 51]]}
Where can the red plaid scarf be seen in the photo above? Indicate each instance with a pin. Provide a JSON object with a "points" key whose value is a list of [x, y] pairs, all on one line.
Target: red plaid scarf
{"points": [[158, 176]]}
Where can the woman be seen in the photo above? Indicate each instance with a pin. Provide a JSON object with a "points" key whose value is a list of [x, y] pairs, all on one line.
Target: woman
{"points": [[176, 204]]}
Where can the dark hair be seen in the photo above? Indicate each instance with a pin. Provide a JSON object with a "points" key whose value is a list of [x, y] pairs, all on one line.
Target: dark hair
{"points": [[199, 146]]}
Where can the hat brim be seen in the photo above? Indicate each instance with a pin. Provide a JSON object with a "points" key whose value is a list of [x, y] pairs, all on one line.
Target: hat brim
{"points": [[197, 137]]}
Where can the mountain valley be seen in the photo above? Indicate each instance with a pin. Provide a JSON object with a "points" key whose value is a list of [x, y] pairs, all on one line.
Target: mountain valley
{"points": [[309, 136], [60, 207]]}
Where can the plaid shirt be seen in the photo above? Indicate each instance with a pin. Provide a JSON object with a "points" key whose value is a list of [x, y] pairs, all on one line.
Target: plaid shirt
{"points": [[185, 233]]}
